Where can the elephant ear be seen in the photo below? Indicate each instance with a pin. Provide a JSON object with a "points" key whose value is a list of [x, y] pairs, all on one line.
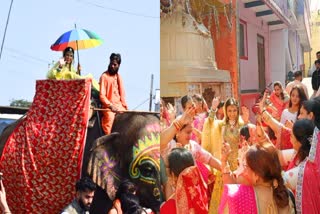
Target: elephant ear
{"points": [[104, 164]]}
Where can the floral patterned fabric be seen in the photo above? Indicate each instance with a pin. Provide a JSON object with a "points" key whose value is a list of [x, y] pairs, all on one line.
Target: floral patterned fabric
{"points": [[42, 158], [191, 192]]}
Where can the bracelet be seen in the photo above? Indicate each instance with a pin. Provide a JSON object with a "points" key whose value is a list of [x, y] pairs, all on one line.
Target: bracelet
{"points": [[177, 125], [265, 117]]}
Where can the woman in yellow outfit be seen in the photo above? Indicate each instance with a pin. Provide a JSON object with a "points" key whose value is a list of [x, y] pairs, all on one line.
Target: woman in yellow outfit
{"points": [[64, 70], [215, 132]]}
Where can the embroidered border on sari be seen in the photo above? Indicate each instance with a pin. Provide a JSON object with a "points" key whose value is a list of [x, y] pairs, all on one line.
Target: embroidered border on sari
{"points": [[313, 149], [299, 186], [311, 158]]}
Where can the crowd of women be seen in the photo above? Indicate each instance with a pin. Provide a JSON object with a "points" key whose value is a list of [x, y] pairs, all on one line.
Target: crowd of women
{"points": [[215, 160]]}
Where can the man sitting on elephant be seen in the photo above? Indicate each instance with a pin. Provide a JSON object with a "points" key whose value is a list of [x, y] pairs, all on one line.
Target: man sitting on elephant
{"points": [[112, 94]]}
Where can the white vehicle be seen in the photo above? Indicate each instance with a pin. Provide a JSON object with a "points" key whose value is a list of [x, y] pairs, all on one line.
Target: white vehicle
{"points": [[9, 115]]}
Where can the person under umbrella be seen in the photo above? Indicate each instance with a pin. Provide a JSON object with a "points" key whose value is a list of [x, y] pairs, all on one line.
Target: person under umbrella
{"points": [[64, 70]]}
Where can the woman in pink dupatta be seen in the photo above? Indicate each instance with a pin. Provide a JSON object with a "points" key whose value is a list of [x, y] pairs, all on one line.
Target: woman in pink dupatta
{"points": [[190, 189], [308, 186], [266, 192]]}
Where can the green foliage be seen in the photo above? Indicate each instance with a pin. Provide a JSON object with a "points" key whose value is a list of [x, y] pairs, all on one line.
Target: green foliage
{"points": [[20, 103]]}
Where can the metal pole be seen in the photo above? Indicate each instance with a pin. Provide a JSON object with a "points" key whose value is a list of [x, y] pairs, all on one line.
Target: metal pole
{"points": [[237, 29], [5, 30], [150, 102]]}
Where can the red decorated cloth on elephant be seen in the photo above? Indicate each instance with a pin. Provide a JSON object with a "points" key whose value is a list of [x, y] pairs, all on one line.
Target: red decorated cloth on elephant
{"points": [[42, 158]]}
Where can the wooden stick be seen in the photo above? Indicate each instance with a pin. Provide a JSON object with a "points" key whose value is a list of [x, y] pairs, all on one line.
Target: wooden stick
{"points": [[131, 111]]}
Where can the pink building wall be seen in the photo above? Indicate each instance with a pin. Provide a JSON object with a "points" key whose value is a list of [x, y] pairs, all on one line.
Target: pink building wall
{"points": [[249, 76]]}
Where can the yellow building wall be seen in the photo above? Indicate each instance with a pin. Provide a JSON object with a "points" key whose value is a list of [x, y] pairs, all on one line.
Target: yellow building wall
{"points": [[310, 57]]}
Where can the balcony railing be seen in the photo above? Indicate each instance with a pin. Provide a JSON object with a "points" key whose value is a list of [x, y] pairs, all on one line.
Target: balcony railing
{"points": [[283, 5]]}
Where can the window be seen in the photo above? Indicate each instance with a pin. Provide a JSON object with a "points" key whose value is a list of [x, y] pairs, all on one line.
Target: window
{"points": [[243, 49]]}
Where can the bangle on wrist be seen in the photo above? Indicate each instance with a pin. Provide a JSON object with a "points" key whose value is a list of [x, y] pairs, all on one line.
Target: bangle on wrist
{"points": [[177, 125]]}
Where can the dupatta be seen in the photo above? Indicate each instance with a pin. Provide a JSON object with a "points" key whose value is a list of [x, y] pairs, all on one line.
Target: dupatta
{"points": [[191, 192], [308, 186], [239, 198]]}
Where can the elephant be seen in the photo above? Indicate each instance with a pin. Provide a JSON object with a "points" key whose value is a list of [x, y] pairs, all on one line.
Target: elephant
{"points": [[131, 151]]}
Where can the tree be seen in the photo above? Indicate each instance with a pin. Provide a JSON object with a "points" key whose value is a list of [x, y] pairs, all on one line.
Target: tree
{"points": [[20, 103]]}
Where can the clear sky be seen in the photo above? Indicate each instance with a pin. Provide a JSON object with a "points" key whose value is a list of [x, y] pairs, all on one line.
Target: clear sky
{"points": [[131, 28]]}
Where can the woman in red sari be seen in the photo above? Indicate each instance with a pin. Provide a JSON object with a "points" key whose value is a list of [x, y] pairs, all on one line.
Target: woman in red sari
{"points": [[301, 138], [190, 189]]}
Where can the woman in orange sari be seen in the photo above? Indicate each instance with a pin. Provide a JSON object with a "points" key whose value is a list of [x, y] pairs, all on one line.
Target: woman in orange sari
{"points": [[190, 189]]}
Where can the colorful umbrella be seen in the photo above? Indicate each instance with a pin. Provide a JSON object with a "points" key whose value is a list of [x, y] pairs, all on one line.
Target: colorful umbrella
{"points": [[84, 38], [77, 39]]}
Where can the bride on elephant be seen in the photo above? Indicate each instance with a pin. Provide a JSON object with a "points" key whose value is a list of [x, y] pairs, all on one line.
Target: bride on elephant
{"points": [[64, 70]]}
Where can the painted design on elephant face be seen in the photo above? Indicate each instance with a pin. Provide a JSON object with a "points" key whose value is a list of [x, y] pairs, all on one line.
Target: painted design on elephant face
{"points": [[146, 159], [106, 165], [153, 128]]}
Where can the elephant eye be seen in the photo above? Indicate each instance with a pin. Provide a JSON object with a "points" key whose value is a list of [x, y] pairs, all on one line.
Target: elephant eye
{"points": [[147, 170]]}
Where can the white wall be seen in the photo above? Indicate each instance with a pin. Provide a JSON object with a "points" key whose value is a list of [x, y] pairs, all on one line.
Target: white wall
{"points": [[249, 76], [278, 46]]}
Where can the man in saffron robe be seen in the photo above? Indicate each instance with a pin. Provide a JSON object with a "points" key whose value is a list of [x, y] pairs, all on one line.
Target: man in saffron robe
{"points": [[112, 94]]}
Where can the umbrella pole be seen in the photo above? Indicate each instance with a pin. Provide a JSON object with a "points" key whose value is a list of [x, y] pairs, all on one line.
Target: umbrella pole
{"points": [[78, 70]]}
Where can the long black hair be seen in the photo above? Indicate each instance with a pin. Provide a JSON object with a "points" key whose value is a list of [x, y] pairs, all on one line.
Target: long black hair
{"points": [[303, 130], [179, 159]]}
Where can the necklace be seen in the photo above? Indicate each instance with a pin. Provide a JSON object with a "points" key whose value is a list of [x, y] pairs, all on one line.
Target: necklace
{"points": [[232, 124]]}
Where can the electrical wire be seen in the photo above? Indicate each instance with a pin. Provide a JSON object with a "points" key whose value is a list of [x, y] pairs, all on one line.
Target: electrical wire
{"points": [[26, 55], [120, 11], [141, 104]]}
